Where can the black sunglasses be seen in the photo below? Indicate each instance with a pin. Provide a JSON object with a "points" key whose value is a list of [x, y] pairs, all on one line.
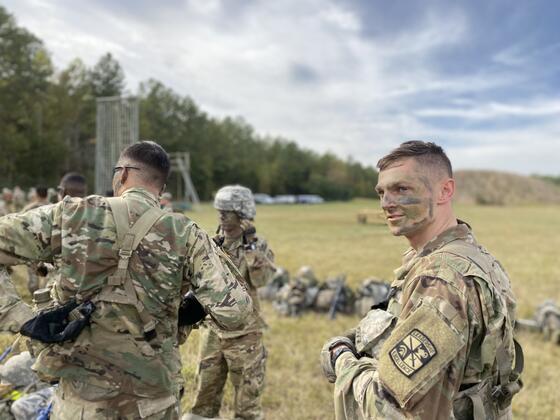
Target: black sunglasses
{"points": [[120, 168]]}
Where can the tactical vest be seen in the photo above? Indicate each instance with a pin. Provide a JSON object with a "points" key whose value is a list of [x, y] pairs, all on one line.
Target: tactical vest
{"points": [[491, 397], [119, 287], [133, 336]]}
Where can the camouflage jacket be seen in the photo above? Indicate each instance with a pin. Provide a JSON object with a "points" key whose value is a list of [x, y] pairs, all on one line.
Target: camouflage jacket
{"points": [[256, 264], [175, 255], [454, 331]]}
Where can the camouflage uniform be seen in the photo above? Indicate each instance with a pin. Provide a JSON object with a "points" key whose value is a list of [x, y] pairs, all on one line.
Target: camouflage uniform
{"points": [[452, 345], [240, 352], [111, 369], [35, 204]]}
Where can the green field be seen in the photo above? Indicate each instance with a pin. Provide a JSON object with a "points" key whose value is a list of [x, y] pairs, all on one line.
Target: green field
{"points": [[525, 238]]}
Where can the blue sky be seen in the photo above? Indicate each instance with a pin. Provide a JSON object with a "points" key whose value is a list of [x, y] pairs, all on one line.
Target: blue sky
{"points": [[353, 77]]}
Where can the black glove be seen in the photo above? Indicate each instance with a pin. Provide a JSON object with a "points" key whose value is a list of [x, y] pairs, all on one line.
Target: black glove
{"points": [[190, 311], [59, 325]]}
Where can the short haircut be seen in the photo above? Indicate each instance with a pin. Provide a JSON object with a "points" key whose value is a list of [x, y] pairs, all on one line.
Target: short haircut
{"points": [[153, 156], [74, 185], [426, 153], [42, 191]]}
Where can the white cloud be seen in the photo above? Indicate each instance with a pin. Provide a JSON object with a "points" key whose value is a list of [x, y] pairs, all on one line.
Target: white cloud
{"points": [[358, 95], [493, 110]]}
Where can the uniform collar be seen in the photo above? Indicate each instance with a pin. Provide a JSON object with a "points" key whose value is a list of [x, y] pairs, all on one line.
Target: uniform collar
{"points": [[461, 231], [233, 242], [138, 192]]}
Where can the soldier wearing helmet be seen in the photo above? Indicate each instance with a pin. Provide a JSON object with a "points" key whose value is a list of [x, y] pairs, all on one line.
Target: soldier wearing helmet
{"points": [[240, 352]]}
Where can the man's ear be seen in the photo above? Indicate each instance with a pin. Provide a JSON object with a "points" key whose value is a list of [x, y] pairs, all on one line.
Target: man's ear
{"points": [[162, 189], [124, 176], [446, 191]]}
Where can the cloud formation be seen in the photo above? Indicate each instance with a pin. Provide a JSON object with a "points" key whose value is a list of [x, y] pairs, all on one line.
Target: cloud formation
{"points": [[354, 77]]}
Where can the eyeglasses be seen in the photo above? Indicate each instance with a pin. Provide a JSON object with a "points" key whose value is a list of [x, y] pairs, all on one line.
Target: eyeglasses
{"points": [[120, 168]]}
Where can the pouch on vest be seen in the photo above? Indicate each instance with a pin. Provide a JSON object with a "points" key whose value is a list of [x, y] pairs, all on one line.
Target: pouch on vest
{"points": [[63, 323]]}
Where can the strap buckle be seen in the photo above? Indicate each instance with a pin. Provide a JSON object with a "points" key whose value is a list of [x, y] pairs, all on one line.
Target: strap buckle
{"points": [[500, 393], [125, 253]]}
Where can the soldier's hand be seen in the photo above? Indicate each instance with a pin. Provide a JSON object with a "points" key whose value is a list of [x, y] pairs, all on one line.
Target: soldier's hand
{"points": [[333, 348], [190, 310], [249, 230]]}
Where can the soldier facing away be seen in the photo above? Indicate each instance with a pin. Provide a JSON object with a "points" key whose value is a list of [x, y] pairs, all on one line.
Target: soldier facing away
{"points": [[72, 184], [40, 198], [240, 352], [444, 348], [124, 266]]}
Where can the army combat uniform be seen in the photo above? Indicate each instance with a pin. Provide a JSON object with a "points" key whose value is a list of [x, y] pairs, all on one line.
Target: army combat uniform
{"points": [[241, 352], [126, 363], [451, 352]]}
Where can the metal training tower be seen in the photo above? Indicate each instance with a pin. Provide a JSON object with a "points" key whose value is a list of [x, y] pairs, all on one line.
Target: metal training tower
{"points": [[116, 128], [180, 163]]}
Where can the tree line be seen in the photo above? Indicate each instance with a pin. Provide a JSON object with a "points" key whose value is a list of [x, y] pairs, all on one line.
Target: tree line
{"points": [[47, 127]]}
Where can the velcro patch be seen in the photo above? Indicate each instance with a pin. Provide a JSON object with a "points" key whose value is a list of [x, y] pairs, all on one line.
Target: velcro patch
{"points": [[413, 352], [416, 353]]}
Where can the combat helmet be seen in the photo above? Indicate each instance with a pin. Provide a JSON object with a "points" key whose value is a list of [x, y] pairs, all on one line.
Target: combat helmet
{"points": [[238, 199]]}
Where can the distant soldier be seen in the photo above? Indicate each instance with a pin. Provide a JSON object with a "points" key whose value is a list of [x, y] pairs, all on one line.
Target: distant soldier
{"points": [[19, 198], [334, 296], [299, 294], [7, 205], [39, 199], [72, 184], [240, 352], [446, 347], [125, 265], [548, 319], [270, 290]]}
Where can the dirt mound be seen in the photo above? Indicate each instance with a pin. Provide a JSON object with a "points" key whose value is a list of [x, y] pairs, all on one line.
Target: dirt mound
{"points": [[502, 188]]}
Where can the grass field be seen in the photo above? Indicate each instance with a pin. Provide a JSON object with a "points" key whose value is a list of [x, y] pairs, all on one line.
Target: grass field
{"points": [[525, 238]]}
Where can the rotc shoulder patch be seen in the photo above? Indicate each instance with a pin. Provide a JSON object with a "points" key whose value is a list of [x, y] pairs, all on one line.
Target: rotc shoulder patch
{"points": [[418, 352], [413, 352]]}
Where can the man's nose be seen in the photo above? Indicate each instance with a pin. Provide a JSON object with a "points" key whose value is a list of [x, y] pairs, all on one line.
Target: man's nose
{"points": [[387, 201]]}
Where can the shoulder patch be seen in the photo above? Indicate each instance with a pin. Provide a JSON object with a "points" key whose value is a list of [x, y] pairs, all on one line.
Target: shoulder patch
{"points": [[417, 352], [413, 352]]}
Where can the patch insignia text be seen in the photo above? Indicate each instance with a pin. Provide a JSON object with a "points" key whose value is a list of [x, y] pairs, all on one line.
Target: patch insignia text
{"points": [[412, 353]]}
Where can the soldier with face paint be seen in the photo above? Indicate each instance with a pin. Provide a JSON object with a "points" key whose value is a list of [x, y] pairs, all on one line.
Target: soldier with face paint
{"points": [[240, 353], [444, 346]]}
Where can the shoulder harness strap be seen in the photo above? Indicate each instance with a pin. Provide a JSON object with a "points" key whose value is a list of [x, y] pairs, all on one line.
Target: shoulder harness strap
{"points": [[471, 252], [128, 239]]}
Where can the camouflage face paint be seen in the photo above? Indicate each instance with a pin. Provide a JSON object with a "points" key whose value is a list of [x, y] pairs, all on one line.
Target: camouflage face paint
{"points": [[230, 222], [406, 198]]}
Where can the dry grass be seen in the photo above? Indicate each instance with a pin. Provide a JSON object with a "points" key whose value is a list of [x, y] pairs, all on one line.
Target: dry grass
{"points": [[503, 188], [525, 238]]}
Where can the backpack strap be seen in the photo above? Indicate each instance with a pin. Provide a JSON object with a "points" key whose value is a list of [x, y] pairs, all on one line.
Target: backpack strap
{"points": [[128, 239]]}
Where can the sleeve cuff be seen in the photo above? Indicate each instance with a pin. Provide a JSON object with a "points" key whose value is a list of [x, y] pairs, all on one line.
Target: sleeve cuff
{"points": [[343, 360]]}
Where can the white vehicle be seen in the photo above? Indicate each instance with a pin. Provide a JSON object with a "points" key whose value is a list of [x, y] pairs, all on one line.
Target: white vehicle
{"points": [[285, 199], [261, 198], [310, 199]]}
